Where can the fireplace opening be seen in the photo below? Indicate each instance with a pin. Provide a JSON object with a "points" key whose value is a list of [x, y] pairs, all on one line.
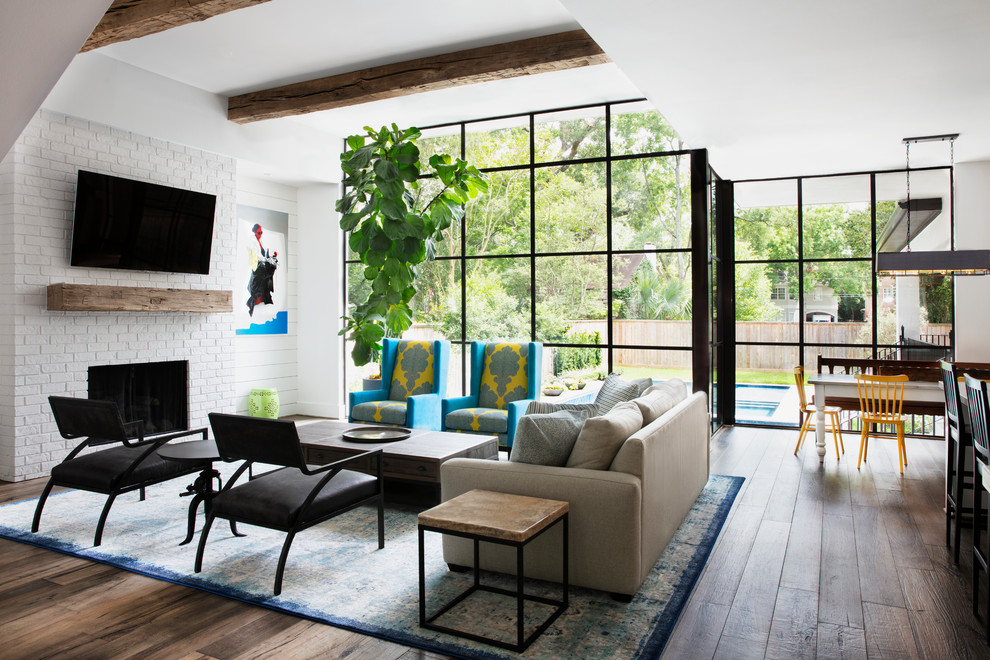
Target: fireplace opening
{"points": [[154, 392]]}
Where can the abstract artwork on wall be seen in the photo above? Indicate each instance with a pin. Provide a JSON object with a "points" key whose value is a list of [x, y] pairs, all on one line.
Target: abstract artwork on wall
{"points": [[261, 288]]}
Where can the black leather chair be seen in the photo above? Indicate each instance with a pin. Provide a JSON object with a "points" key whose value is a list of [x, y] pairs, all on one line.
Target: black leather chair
{"points": [[294, 497], [131, 465], [976, 392], [957, 440]]}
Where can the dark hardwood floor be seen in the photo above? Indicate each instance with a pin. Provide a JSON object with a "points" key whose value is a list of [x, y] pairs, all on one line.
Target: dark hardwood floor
{"points": [[814, 562]]}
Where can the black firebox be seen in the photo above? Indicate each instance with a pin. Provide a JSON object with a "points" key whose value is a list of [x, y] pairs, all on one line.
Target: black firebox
{"points": [[156, 393]]}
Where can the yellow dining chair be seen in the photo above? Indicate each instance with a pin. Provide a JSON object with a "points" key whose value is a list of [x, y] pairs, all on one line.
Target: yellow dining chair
{"points": [[831, 412], [881, 399]]}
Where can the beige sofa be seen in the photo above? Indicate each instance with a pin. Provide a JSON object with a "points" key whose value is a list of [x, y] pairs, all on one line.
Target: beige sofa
{"points": [[621, 519]]}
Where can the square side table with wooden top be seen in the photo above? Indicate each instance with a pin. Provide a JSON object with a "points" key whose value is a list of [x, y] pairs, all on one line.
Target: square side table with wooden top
{"points": [[417, 458], [514, 520]]}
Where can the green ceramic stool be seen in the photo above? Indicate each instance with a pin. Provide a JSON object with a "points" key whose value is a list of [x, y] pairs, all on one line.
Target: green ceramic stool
{"points": [[263, 402]]}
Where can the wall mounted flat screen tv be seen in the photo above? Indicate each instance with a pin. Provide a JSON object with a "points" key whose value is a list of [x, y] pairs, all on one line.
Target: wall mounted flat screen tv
{"points": [[121, 223]]}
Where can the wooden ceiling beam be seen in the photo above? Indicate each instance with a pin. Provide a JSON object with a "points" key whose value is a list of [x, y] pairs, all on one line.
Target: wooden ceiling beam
{"points": [[130, 19], [555, 52]]}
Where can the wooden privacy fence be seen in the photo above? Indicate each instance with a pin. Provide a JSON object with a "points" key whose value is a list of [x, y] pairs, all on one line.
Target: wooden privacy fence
{"points": [[678, 333]]}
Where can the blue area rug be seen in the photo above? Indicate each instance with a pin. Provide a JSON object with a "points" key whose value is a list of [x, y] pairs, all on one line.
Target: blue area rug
{"points": [[335, 573]]}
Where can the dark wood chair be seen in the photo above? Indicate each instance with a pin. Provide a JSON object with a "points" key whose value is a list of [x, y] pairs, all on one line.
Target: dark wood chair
{"points": [[957, 440], [294, 497], [132, 464], [976, 392]]}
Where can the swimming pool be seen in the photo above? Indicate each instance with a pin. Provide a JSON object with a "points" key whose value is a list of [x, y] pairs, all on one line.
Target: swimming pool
{"points": [[758, 402]]}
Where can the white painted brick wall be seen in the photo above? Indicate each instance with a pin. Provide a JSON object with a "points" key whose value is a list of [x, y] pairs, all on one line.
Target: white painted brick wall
{"points": [[44, 353]]}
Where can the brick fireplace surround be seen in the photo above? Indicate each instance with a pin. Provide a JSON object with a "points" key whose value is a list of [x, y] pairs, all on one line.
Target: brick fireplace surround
{"points": [[44, 353]]}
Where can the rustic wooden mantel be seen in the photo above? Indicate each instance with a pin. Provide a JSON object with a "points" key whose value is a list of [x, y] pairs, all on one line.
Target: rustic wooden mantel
{"points": [[63, 297]]}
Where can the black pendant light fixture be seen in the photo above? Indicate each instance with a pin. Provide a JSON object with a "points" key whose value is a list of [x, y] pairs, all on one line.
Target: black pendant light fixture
{"points": [[942, 262]]}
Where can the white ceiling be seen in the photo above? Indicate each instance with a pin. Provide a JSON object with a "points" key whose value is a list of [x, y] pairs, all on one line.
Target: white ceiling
{"points": [[778, 87], [771, 87]]}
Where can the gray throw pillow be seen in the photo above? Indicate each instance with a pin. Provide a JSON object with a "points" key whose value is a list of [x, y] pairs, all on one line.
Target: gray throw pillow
{"points": [[660, 398], [675, 387], [643, 384], [544, 407], [547, 439], [602, 437], [615, 390]]}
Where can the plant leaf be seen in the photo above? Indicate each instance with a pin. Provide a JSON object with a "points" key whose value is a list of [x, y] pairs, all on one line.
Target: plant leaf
{"points": [[350, 220], [381, 242], [391, 188], [395, 229], [386, 170], [360, 158], [408, 173], [407, 154], [394, 208]]}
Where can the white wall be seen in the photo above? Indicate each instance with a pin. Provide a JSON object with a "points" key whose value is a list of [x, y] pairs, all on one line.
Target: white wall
{"points": [[270, 360], [44, 353], [972, 216], [321, 276], [102, 89]]}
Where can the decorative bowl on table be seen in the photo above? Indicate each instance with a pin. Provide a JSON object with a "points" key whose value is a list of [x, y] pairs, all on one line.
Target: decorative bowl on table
{"points": [[376, 434], [553, 391]]}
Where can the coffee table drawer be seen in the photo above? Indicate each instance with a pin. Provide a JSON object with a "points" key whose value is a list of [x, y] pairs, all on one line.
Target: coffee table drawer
{"points": [[410, 468], [323, 456], [397, 467]]}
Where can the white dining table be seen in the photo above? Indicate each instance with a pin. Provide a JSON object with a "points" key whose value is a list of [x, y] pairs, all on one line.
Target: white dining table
{"points": [[844, 385]]}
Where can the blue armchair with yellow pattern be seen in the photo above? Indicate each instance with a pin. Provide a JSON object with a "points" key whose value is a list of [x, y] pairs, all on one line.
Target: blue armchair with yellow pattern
{"points": [[414, 381], [505, 378]]}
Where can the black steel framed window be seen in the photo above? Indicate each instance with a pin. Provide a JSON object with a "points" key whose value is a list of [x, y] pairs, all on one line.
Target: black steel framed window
{"points": [[594, 237], [806, 280]]}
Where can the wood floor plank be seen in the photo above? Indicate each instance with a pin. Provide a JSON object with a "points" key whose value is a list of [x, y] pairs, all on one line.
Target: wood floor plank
{"points": [[760, 484], [720, 577], [841, 642], [697, 632], [839, 600], [836, 498], [925, 505], [952, 599], [319, 641], [877, 575], [906, 543], [726, 453], [731, 648], [83, 572], [794, 631], [752, 609], [247, 634], [862, 485], [182, 627], [883, 464], [935, 631], [802, 560], [784, 495], [888, 632]]}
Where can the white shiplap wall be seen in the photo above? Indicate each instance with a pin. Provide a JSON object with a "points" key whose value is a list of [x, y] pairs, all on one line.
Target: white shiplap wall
{"points": [[270, 360]]}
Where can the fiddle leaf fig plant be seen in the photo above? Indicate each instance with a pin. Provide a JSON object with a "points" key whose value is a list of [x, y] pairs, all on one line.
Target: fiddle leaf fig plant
{"points": [[393, 226]]}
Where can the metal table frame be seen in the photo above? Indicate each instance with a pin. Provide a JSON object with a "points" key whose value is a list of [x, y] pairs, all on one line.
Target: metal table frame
{"points": [[523, 642]]}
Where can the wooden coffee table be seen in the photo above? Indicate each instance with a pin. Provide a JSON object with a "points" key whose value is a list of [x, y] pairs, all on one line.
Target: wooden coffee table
{"points": [[417, 458]]}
